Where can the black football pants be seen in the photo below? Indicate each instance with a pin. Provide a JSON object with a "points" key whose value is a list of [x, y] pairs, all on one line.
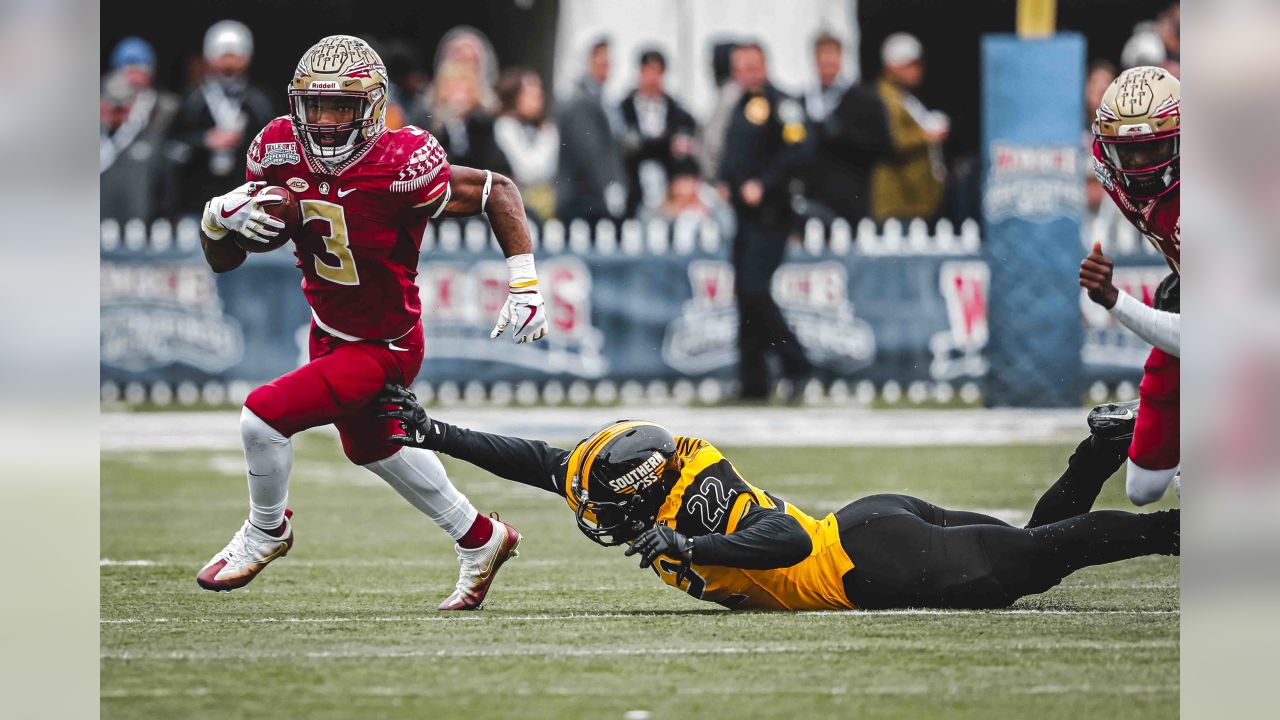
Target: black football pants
{"points": [[909, 553]]}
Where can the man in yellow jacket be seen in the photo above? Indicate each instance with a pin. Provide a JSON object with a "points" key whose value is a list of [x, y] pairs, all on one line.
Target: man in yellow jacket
{"points": [[909, 182]]}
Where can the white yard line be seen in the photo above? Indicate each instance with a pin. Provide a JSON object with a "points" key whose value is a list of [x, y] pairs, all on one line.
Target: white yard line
{"points": [[560, 617], [830, 427], [1054, 645], [421, 691]]}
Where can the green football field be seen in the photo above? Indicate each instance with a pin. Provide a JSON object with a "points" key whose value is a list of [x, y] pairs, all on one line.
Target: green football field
{"points": [[346, 626]]}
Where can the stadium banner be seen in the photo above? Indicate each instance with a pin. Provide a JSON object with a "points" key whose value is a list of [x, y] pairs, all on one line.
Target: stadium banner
{"points": [[904, 314], [1033, 200]]}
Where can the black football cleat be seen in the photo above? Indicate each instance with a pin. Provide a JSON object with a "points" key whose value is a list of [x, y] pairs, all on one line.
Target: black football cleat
{"points": [[1114, 421]]}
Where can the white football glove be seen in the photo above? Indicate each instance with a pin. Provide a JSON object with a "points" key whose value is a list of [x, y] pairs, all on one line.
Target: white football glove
{"points": [[524, 311], [240, 211]]}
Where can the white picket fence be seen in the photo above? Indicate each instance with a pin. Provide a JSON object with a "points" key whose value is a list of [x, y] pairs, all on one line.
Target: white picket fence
{"points": [[631, 238]]}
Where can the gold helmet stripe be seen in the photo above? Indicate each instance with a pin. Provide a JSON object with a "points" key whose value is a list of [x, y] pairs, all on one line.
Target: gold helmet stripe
{"points": [[585, 454]]}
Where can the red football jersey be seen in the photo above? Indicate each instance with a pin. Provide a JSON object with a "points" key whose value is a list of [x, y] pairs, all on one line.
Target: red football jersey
{"points": [[1159, 220], [360, 237]]}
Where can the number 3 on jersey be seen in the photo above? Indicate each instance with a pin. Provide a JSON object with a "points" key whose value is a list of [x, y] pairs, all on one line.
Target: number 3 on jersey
{"points": [[336, 242]]}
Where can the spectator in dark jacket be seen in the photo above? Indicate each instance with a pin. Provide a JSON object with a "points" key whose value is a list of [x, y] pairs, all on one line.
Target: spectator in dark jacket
{"points": [[452, 110], [219, 119], [656, 132], [854, 135], [591, 182], [131, 162], [135, 120]]}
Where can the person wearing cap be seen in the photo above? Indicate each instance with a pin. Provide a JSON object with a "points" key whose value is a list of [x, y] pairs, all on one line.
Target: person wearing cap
{"points": [[135, 118], [908, 183], [211, 134]]}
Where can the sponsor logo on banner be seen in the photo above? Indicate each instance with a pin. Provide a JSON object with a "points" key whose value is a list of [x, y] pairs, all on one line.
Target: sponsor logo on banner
{"points": [[461, 301], [1036, 183], [1106, 341], [959, 351], [155, 315], [285, 153], [813, 297]]}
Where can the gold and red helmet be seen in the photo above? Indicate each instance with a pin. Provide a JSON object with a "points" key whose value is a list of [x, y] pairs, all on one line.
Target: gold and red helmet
{"points": [[618, 478], [1136, 131], [339, 77]]}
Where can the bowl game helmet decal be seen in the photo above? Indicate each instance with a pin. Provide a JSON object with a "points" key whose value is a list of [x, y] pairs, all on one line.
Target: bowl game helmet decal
{"points": [[1137, 131], [338, 98], [617, 480]]}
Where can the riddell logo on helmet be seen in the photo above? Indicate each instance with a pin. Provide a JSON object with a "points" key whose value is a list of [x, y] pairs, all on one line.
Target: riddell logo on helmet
{"points": [[323, 85], [641, 477]]}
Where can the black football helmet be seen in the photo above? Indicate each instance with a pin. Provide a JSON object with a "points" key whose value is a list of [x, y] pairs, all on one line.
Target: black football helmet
{"points": [[618, 478]]}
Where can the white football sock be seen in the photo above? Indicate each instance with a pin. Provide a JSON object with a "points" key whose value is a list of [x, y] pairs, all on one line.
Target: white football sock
{"points": [[269, 456], [420, 478], [1147, 486]]}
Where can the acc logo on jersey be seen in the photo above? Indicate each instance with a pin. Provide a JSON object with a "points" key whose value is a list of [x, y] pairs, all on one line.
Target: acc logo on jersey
{"points": [[297, 184], [285, 153]]}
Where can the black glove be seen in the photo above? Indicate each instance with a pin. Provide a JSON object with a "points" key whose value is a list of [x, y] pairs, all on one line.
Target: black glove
{"points": [[418, 430], [662, 540]]}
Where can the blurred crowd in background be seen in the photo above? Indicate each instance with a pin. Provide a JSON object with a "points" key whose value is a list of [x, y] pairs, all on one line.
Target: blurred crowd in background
{"points": [[870, 149]]}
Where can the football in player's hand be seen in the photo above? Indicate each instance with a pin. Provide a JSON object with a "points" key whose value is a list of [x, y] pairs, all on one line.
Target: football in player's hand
{"points": [[286, 210]]}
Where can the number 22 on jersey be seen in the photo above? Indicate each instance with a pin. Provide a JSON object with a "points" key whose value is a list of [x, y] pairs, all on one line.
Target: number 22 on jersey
{"points": [[336, 242]]}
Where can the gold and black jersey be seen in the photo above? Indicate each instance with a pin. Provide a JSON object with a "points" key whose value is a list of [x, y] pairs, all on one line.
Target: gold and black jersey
{"points": [[711, 497]]}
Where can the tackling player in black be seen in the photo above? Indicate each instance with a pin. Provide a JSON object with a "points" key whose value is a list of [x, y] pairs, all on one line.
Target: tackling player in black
{"points": [[688, 513]]}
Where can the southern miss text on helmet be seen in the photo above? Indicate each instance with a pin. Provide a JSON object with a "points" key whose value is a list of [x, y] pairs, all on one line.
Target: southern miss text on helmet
{"points": [[618, 478]]}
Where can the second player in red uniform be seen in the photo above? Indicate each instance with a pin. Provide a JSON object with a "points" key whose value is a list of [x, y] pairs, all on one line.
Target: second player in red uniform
{"points": [[1137, 136], [366, 194]]}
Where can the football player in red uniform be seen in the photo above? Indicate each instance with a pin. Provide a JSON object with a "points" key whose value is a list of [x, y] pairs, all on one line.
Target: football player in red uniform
{"points": [[366, 194], [1136, 158]]}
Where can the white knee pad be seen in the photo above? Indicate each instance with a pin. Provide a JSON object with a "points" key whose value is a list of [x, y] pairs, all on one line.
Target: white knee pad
{"points": [[1145, 486], [256, 433]]}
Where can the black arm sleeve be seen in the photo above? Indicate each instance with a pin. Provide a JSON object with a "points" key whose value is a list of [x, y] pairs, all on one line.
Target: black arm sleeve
{"points": [[530, 462], [764, 539]]}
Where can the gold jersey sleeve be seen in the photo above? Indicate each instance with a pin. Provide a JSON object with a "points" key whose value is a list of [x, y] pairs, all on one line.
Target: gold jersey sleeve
{"points": [[712, 497]]}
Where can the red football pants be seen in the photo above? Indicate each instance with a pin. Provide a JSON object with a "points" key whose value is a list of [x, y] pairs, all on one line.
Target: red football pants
{"points": [[339, 386], [1155, 444]]}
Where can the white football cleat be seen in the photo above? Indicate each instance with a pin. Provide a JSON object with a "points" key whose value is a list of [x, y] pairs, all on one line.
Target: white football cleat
{"points": [[245, 556], [480, 566]]}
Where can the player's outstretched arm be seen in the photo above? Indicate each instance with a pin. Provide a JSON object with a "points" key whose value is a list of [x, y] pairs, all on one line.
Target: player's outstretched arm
{"points": [[529, 462], [472, 192]]}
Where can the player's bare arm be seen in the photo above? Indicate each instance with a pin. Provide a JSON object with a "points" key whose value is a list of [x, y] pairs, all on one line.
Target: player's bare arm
{"points": [[240, 211], [474, 192], [1096, 273]]}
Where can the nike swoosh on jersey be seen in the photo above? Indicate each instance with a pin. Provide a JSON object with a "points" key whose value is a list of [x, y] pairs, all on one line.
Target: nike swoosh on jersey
{"points": [[343, 192], [234, 210]]}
